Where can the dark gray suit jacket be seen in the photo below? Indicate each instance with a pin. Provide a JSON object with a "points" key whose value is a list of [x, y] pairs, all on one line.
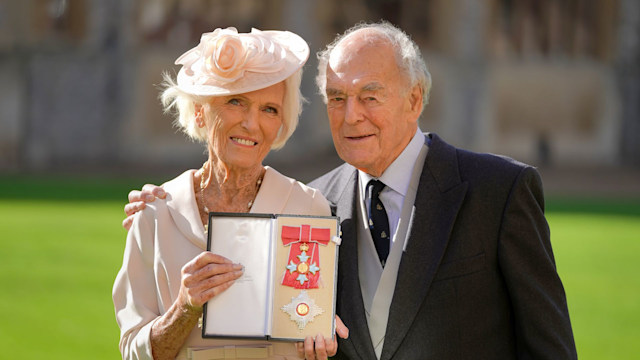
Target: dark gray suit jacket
{"points": [[478, 279]]}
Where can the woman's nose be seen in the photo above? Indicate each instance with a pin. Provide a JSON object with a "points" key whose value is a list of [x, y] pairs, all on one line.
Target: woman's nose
{"points": [[250, 120]]}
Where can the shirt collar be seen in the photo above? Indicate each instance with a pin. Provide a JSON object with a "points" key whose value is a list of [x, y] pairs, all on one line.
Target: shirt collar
{"points": [[397, 175]]}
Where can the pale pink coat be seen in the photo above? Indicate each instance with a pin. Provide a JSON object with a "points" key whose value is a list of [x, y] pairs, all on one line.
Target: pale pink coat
{"points": [[169, 233]]}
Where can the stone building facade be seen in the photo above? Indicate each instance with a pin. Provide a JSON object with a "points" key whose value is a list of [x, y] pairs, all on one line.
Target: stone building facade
{"points": [[548, 82]]}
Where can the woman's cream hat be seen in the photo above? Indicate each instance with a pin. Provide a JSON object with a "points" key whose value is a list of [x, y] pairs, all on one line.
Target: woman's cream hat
{"points": [[226, 62]]}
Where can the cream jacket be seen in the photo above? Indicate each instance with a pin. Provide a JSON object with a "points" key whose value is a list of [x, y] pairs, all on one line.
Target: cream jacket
{"points": [[165, 236]]}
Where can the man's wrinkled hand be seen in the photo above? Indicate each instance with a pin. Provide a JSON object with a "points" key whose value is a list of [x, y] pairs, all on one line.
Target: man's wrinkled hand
{"points": [[138, 200], [320, 348]]}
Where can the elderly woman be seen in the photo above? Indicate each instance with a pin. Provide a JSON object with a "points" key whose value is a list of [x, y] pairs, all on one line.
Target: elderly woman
{"points": [[238, 94]]}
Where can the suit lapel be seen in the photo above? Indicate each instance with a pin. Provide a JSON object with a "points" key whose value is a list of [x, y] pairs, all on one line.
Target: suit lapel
{"points": [[439, 197], [350, 304]]}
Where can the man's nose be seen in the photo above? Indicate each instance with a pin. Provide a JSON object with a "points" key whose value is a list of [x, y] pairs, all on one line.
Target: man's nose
{"points": [[353, 110]]}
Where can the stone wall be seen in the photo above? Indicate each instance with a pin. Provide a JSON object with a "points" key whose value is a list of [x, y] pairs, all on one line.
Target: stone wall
{"points": [[542, 82]]}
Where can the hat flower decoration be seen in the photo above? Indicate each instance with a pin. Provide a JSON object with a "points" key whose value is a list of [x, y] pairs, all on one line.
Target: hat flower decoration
{"points": [[227, 62]]}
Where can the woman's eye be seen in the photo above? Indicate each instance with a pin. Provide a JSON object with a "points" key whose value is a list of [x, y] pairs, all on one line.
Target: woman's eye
{"points": [[234, 102], [271, 110]]}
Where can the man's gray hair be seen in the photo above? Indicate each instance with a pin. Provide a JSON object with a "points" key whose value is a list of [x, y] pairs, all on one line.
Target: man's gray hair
{"points": [[408, 57]]}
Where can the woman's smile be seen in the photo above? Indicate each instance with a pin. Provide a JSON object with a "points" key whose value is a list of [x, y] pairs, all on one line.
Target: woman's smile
{"points": [[244, 141]]}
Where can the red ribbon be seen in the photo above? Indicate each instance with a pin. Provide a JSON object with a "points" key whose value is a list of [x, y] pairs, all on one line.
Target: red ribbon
{"points": [[303, 236]]}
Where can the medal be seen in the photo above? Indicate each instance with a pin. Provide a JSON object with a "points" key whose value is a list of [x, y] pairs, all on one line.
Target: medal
{"points": [[302, 269], [302, 309]]}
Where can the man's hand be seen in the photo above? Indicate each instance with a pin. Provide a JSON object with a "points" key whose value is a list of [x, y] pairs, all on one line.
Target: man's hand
{"points": [[139, 199], [321, 348]]}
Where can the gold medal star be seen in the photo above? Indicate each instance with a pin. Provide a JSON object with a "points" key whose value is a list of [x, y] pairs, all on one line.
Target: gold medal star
{"points": [[302, 309]]}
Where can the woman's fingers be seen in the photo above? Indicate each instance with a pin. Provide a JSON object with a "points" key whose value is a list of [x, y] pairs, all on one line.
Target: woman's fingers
{"points": [[204, 259], [214, 291], [207, 257], [208, 275], [219, 275], [198, 296]]}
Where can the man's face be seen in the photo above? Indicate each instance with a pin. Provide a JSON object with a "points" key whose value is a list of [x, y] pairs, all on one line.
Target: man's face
{"points": [[372, 113]]}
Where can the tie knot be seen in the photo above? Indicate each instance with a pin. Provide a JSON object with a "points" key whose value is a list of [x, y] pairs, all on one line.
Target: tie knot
{"points": [[375, 187]]}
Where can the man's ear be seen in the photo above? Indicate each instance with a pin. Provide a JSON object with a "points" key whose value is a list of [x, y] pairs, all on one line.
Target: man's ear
{"points": [[414, 103], [415, 99]]}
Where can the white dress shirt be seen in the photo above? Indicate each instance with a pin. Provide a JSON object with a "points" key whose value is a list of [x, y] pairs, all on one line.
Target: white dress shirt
{"points": [[396, 178]]}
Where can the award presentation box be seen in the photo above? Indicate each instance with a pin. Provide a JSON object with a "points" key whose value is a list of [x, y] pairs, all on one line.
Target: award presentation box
{"points": [[287, 291]]}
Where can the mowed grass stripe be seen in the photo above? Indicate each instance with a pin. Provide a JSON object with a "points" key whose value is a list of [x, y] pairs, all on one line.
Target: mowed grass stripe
{"points": [[597, 258], [58, 260]]}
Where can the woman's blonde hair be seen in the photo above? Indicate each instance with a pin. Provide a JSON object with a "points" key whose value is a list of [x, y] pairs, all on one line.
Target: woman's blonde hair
{"points": [[183, 106]]}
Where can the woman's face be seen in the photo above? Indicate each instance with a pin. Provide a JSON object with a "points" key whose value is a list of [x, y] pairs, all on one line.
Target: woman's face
{"points": [[245, 125]]}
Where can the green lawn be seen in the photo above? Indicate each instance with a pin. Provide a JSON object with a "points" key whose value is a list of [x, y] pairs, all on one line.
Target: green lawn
{"points": [[57, 263], [60, 248], [597, 258], [61, 245]]}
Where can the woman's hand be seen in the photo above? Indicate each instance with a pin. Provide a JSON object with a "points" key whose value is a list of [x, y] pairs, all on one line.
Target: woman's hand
{"points": [[321, 348], [204, 277], [139, 199]]}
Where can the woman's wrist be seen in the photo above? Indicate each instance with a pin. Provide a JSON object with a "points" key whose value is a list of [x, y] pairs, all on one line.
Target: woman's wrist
{"points": [[169, 333], [189, 310]]}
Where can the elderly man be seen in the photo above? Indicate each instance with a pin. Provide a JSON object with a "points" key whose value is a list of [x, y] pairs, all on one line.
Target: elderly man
{"points": [[445, 253]]}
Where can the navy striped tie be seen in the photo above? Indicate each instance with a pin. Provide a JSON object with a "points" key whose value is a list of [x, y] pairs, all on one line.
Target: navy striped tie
{"points": [[378, 220]]}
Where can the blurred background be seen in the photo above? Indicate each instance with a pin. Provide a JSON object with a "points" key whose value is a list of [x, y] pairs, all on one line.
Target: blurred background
{"points": [[554, 83]]}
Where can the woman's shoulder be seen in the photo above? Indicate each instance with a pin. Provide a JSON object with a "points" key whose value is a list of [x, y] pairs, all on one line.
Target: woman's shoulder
{"points": [[182, 182], [298, 196], [175, 215], [285, 183]]}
